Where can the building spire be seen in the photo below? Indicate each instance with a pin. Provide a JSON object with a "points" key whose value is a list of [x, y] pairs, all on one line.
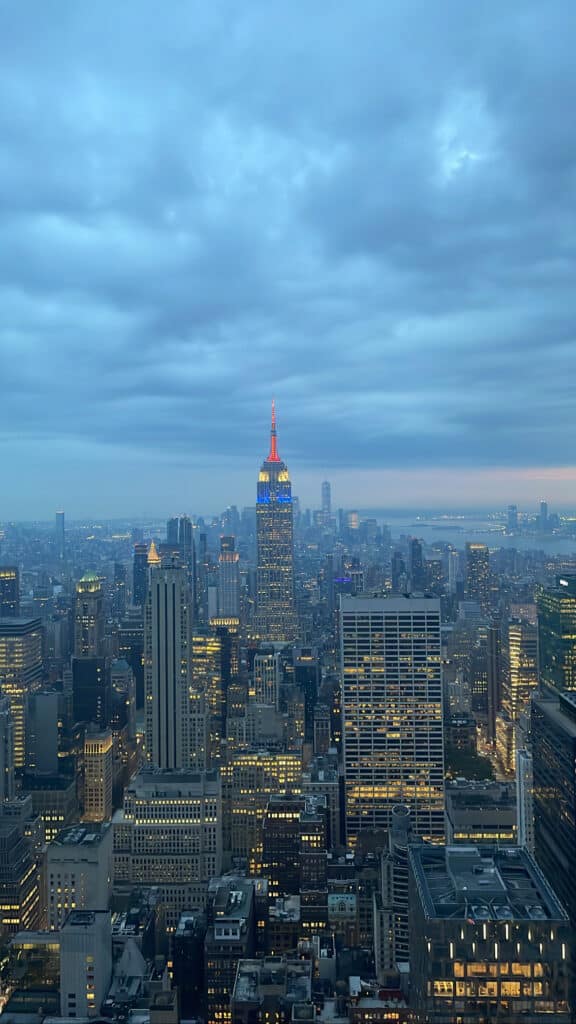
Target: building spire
{"points": [[273, 456]]}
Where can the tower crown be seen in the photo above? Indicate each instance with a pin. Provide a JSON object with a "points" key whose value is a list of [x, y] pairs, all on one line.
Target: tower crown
{"points": [[273, 455]]}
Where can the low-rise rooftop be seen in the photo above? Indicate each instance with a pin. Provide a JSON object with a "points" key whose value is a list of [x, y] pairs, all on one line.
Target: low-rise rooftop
{"points": [[86, 836], [290, 980], [483, 883]]}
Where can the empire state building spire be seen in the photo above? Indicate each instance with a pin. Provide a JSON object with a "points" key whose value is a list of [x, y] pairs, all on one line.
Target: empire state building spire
{"points": [[273, 456], [275, 612]]}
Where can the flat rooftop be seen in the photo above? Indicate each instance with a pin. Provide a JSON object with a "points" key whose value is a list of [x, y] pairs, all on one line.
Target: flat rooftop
{"points": [[482, 883], [86, 836], [559, 712], [464, 793], [285, 908], [273, 976], [233, 900], [18, 624]]}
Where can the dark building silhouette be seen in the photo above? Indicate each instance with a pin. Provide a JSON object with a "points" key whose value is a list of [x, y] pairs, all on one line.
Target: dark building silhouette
{"points": [[553, 729], [417, 569], [557, 634], [9, 591], [91, 691], [140, 575]]}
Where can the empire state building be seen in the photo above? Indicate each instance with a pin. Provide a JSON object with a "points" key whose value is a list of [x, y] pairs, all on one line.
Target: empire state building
{"points": [[275, 612]]}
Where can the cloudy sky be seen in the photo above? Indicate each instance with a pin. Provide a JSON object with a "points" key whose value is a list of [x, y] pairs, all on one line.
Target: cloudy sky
{"points": [[366, 210]]}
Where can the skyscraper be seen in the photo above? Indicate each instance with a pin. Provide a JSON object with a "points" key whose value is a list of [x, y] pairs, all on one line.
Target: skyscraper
{"points": [[228, 578], [520, 676], [60, 532], [276, 616], [553, 736], [478, 575], [557, 634], [140, 574], [90, 670], [89, 618], [9, 591], [7, 782], [326, 498], [42, 732], [167, 670], [417, 574], [512, 519], [392, 713], [98, 775], [20, 673]]}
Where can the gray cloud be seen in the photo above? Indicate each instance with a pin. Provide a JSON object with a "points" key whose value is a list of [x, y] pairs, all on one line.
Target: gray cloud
{"points": [[367, 212]]}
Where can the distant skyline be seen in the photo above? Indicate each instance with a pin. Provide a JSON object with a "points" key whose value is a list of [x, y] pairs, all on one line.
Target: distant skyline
{"points": [[365, 212], [363, 490]]}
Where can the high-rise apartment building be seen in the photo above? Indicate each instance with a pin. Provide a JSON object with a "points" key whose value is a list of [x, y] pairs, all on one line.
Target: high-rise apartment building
{"points": [[557, 634], [228, 578], [478, 575], [9, 591], [167, 669], [392, 713], [276, 615], [20, 673]]}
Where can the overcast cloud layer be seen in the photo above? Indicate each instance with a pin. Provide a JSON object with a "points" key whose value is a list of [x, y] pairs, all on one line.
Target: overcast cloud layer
{"points": [[366, 210]]}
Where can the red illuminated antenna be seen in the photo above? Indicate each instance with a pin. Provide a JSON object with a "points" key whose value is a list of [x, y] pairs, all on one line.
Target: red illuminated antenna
{"points": [[273, 456]]}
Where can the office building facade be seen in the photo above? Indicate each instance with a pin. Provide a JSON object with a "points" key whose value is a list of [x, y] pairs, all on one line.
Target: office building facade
{"points": [[392, 713], [169, 834], [20, 673], [478, 575], [557, 634], [98, 775], [167, 669]]}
